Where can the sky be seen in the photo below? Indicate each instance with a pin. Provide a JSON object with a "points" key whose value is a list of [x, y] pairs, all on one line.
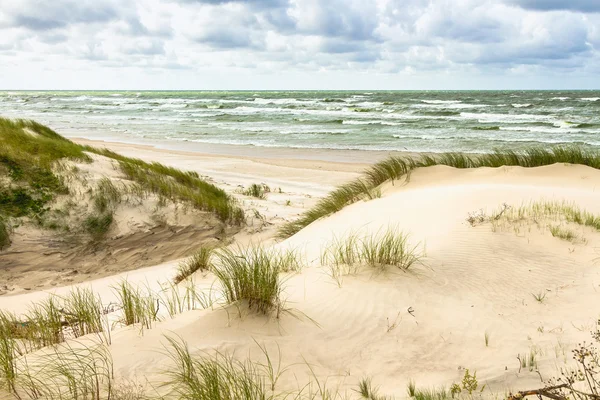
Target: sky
{"points": [[299, 44]]}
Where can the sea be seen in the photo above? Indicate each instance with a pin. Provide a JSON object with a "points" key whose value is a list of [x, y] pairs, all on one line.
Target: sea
{"points": [[417, 121]]}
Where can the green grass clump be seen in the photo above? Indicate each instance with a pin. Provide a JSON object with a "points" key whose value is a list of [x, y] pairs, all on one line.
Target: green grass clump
{"points": [[563, 233], [395, 168], [257, 190], [367, 391], [218, 377], [43, 324], [78, 370], [199, 261], [98, 225], [4, 234], [138, 307], [431, 394], [83, 312], [9, 351], [252, 275], [386, 248]]}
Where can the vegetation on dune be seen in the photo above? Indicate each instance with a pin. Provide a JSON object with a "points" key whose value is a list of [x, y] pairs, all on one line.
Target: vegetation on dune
{"points": [[382, 249], [177, 185], [395, 168], [199, 261], [32, 176], [257, 190], [252, 275]]}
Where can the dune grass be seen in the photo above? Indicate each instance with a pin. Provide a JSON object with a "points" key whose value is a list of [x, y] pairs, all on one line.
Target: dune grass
{"points": [[76, 370], [177, 185], [9, 351], [252, 275], [138, 307], [32, 175], [549, 215], [83, 312], [257, 190], [212, 377], [4, 234], [367, 391], [396, 168], [199, 261], [379, 250]]}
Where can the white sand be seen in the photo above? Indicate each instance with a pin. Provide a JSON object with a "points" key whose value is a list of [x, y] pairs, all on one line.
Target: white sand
{"points": [[473, 281]]}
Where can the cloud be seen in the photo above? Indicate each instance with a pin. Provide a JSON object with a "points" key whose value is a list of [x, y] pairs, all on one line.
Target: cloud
{"points": [[40, 15], [570, 5], [265, 37]]}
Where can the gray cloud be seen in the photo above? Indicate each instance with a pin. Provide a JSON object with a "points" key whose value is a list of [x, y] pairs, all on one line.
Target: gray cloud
{"points": [[42, 15], [382, 36], [548, 5]]}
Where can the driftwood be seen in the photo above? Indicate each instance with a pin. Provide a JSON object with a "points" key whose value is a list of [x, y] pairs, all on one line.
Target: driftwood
{"points": [[545, 392], [549, 393]]}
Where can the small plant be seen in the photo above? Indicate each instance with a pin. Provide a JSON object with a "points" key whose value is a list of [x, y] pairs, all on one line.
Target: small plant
{"points": [[469, 384], [98, 225], [137, 307], [257, 190], [251, 275], [212, 377], [367, 391], [411, 389], [563, 233], [540, 297], [288, 203], [83, 312], [199, 261], [431, 394], [477, 217], [487, 339], [4, 234], [388, 248]]}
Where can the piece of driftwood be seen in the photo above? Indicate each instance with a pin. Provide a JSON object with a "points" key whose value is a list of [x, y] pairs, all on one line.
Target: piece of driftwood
{"points": [[544, 392]]}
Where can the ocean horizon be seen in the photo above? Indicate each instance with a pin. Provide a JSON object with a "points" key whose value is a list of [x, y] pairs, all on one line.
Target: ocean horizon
{"points": [[416, 121]]}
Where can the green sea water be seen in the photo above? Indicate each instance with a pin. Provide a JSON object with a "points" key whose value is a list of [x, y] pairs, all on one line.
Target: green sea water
{"points": [[467, 121]]}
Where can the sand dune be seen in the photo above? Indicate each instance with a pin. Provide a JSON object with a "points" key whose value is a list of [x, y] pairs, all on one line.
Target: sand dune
{"points": [[427, 324]]}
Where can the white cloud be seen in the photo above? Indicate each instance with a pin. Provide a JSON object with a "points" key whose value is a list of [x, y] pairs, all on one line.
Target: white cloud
{"points": [[193, 44]]}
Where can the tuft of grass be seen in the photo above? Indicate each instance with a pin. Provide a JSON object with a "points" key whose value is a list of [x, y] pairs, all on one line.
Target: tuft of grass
{"points": [[395, 168], [257, 190], [411, 388], [218, 377], [252, 275], [138, 307], [83, 312], [367, 391], [44, 323], [431, 394], [4, 234], [389, 248], [487, 339], [106, 195], [98, 225], [563, 233], [539, 296], [9, 351], [199, 261], [380, 250], [70, 371]]}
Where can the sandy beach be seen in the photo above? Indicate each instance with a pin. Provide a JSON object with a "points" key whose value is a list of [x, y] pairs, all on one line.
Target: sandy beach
{"points": [[487, 293]]}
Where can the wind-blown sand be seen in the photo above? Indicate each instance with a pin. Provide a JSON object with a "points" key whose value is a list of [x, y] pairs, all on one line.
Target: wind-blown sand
{"points": [[427, 324]]}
